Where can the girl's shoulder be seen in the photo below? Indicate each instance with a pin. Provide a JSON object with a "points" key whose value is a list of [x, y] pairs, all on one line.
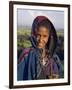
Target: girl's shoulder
{"points": [[58, 63], [56, 59], [24, 54]]}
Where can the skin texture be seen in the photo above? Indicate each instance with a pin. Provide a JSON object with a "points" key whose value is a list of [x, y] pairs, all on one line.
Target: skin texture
{"points": [[42, 37]]}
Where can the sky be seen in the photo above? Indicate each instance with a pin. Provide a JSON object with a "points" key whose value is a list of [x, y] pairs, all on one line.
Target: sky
{"points": [[25, 17]]}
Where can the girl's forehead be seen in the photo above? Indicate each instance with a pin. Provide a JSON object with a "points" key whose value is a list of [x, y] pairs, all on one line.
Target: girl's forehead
{"points": [[43, 29]]}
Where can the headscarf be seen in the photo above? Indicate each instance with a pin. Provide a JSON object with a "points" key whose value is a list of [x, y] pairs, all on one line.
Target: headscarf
{"points": [[52, 42]]}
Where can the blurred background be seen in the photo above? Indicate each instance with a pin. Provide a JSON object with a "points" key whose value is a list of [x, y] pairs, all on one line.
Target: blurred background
{"points": [[25, 19]]}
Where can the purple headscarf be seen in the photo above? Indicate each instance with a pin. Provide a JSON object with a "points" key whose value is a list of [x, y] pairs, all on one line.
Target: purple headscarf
{"points": [[40, 20]]}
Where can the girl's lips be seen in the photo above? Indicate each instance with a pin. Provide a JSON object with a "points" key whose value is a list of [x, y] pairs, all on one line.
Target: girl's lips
{"points": [[41, 45]]}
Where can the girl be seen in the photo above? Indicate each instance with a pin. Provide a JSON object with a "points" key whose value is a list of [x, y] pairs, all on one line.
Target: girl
{"points": [[40, 61]]}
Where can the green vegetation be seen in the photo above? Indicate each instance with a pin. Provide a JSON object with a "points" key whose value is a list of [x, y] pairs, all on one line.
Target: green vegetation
{"points": [[24, 34], [60, 33], [23, 38]]}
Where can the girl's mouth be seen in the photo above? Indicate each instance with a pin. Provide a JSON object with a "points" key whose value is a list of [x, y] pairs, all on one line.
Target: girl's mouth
{"points": [[41, 45]]}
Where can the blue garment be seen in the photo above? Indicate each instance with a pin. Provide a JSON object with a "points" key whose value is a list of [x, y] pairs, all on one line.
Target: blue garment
{"points": [[30, 68]]}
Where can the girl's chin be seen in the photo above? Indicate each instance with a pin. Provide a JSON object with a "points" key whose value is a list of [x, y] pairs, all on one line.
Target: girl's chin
{"points": [[40, 46]]}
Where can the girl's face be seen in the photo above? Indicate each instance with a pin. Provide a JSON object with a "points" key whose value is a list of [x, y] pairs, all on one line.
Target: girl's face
{"points": [[42, 37]]}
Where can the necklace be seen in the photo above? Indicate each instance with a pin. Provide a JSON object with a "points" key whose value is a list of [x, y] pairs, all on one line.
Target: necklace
{"points": [[44, 62], [43, 57]]}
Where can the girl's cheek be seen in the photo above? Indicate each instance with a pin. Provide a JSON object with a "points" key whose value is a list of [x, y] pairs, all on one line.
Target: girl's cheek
{"points": [[38, 38], [45, 39]]}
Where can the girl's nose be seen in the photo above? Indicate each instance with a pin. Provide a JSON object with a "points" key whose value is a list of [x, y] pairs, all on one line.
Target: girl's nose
{"points": [[41, 39]]}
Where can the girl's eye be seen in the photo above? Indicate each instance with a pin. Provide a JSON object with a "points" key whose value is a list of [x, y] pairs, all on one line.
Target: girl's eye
{"points": [[45, 36]]}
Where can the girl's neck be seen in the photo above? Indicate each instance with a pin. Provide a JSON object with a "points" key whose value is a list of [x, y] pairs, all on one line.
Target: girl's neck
{"points": [[44, 52]]}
